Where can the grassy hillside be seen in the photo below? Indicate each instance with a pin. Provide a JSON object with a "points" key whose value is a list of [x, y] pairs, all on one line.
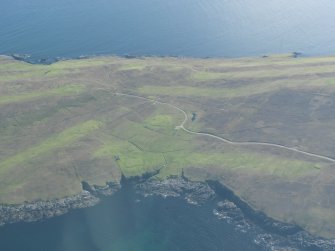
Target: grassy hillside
{"points": [[65, 123]]}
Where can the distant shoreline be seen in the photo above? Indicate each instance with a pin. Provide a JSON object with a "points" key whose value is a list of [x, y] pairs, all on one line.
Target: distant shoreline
{"points": [[47, 61]]}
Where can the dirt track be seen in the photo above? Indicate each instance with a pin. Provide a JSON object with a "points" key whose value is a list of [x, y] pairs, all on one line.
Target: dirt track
{"points": [[182, 126]]}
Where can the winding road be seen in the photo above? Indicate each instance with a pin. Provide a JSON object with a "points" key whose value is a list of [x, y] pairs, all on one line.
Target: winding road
{"points": [[182, 126]]}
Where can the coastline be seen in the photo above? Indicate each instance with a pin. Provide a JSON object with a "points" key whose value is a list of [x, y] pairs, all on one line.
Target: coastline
{"points": [[236, 211], [42, 210], [48, 61], [230, 208]]}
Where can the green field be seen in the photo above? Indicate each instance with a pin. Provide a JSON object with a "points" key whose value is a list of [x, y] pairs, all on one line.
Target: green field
{"points": [[63, 123]]}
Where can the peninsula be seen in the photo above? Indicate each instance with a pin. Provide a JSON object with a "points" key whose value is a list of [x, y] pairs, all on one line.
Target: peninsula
{"points": [[264, 127]]}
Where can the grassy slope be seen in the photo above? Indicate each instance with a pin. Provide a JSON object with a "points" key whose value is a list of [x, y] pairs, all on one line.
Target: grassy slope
{"points": [[60, 124]]}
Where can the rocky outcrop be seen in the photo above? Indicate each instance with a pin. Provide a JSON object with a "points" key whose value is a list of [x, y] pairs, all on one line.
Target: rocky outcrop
{"points": [[193, 192], [39, 210], [106, 190]]}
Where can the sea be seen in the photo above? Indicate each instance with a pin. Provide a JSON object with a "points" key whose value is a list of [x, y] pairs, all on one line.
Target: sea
{"points": [[44, 30], [194, 28]]}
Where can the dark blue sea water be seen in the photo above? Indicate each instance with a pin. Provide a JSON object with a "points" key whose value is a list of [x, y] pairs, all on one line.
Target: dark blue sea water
{"points": [[215, 28]]}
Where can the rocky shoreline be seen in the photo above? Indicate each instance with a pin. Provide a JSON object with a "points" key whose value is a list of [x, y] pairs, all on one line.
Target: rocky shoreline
{"points": [[47, 61], [268, 233], [196, 193], [41, 210]]}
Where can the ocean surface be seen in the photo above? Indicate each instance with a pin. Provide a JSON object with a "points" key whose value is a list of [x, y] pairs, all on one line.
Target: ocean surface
{"points": [[198, 28], [47, 29]]}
